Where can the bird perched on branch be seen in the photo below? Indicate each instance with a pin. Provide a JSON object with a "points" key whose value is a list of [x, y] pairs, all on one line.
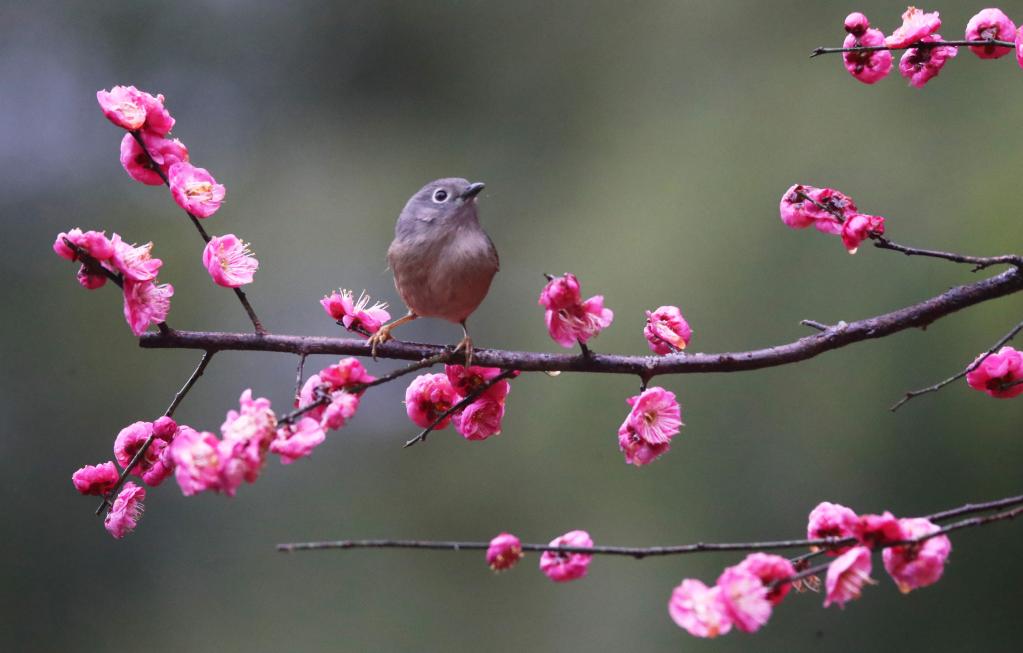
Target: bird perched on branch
{"points": [[443, 261]]}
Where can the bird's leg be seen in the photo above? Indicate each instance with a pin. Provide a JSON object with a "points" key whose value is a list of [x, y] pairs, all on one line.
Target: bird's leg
{"points": [[384, 333], [466, 344]]}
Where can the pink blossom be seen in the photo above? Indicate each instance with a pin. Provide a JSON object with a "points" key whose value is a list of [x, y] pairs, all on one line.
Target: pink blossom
{"points": [[638, 451], [354, 314], [145, 303], [229, 261], [568, 319], [342, 407], [247, 434], [123, 106], [990, 24], [856, 23], [847, 575], [480, 419], [666, 331], [162, 154], [126, 512], [745, 598], [829, 209], [135, 262], [831, 520], [298, 441], [95, 479], [996, 372], [770, 569], [309, 395], [95, 244], [130, 108], [195, 190], [1019, 46], [875, 530], [345, 375], [561, 567], [427, 397], [920, 65], [793, 206], [860, 227], [655, 415], [504, 552], [165, 428], [921, 564], [916, 24], [467, 380], [699, 609], [868, 66], [150, 467], [90, 280], [196, 460]]}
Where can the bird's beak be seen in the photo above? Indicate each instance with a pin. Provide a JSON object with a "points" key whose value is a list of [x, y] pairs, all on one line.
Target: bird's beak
{"points": [[473, 190]]}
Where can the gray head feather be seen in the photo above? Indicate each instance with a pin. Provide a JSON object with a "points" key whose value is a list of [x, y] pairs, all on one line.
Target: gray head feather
{"points": [[438, 207]]}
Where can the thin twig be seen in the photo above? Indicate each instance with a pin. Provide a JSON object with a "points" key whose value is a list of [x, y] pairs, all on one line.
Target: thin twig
{"points": [[442, 357], [299, 374], [471, 397], [979, 262], [320, 398], [178, 397], [969, 368], [239, 293], [814, 324], [837, 336], [918, 44]]}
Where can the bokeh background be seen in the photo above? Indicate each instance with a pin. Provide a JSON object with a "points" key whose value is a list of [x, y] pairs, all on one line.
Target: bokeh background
{"points": [[644, 147]]}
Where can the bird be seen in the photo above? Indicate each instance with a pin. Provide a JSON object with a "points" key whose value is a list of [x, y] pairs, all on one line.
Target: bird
{"points": [[442, 259]]}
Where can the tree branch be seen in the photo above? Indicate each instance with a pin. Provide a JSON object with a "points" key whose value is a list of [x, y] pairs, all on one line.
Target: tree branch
{"points": [[930, 44], [646, 367]]}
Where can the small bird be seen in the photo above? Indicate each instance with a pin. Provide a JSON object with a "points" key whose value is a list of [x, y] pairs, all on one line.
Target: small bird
{"points": [[443, 261]]}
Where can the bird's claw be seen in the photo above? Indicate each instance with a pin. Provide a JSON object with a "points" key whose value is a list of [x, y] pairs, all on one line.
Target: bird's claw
{"points": [[465, 344], [378, 338]]}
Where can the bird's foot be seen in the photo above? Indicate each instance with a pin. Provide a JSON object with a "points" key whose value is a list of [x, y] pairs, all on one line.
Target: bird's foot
{"points": [[380, 337], [466, 345]]}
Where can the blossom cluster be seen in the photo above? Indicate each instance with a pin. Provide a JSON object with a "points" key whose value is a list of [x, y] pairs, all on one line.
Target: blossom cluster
{"points": [[430, 396], [830, 212], [151, 157], [745, 594], [925, 53], [202, 462], [505, 551], [146, 301], [999, 375], [355, 314]]}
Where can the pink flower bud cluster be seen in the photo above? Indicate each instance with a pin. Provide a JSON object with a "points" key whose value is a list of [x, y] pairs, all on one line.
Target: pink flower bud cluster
{"points": [[330, 398], [831, 212], [653, 420], [355, 314], [999, 375], [919, 28], [146, 301], [505, 551], [569, 319], [745, 594], [431, 395]]}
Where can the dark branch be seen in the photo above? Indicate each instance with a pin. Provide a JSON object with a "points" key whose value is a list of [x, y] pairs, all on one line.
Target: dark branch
{"points": [[979, 262], [834, 337], [931, 44]]}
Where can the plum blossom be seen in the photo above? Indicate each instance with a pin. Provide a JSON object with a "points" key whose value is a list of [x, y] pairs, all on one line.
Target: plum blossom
{"points": [[504, 552], [467, 380], [95, 244], [151, 466], [126, 511], [874, 530], [769, 569], [569, 319], [131, 109], [562, 567], [145, 303], [856, 23], [666, 330], [480, 419], [342, 407], [847, 575], [916, 24], [860, 227], [195, 190], [990, 24], [699, 609], [96, 479], [135, 262], [196, 459], [917, 565], [868, 66], [831, 520], [646, 433], [995, 374], [919, 65], [89, 279], [299, 440], [745, 598], [826, 209], [355, 315], [428, 397], [247, 434], [229, 261], [162, 154]]}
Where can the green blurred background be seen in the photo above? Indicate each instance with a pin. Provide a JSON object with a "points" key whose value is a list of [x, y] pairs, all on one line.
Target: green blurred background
{"points": [[643, 146]]}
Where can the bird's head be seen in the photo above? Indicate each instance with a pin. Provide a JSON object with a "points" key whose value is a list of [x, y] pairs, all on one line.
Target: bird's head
{"points": [[441, 203]]}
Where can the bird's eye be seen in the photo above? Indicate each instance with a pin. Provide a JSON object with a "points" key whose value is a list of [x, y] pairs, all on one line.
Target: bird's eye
{"points": [[440, 195]]}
